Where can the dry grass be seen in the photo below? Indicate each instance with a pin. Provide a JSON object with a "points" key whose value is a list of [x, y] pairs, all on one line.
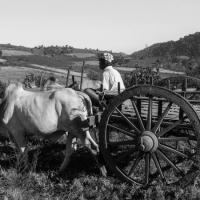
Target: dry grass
{"points": [[47, 186], [82, 55], [81, 182], [16, 53]]}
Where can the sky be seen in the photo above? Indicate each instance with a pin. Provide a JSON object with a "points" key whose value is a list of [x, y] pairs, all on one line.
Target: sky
{"points": [[118, 25]]}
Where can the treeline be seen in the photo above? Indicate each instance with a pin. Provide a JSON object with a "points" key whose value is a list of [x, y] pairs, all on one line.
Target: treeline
{"points": [[53, 50]]}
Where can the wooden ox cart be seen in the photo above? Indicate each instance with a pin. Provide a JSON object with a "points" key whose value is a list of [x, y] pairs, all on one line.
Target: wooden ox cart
{"points": [[149, 131]]}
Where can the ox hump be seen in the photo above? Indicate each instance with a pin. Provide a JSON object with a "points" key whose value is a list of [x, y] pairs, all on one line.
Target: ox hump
{"points": [[65, 93]]}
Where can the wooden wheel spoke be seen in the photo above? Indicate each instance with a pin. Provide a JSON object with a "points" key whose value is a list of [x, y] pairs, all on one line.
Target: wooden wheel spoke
{"points": [[149, 115], [173, 139], [147, 168], [131, 134], [168, 161], [158, 166], [125, 142], [172, 150], [138, 115], [135, 163], [128, 121], [170, 127], [164, 114]]}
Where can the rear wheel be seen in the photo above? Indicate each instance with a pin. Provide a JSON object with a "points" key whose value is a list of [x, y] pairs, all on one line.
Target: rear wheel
{"points": [[143, 135]]}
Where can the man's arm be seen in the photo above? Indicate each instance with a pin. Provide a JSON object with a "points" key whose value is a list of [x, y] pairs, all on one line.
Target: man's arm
{"points": [[105, 81]]}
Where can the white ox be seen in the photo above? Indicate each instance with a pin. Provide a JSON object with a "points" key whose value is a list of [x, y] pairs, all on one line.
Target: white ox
{"points": [[53, 85], [46, 114]]}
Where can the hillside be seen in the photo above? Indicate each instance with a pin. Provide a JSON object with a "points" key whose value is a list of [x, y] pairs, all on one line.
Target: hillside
{"points": [[58, 57], [183, 54], [186, 46]]}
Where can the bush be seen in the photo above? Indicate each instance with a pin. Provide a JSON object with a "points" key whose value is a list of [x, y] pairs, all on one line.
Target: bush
{"points": [[142, 75], [34, 80]]}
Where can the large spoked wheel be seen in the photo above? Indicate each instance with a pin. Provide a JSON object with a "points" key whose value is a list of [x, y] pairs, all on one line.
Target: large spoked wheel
{"points": [[143, 136]]}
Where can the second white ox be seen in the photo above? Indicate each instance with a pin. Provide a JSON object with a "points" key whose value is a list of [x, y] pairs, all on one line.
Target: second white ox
{"points": [[47, 114]]}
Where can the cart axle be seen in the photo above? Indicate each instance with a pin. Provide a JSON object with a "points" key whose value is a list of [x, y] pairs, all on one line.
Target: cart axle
{"points": [[148, 142]]}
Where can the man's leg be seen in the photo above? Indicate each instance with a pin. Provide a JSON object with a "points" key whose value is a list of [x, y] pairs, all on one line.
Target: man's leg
{"points": [[93, 96]]}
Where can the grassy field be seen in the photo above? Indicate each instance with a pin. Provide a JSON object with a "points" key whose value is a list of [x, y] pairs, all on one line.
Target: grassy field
{"points": [[16, 53], [56, 62], [83, 182], [82, 55], [40, 181], [16, 73]]}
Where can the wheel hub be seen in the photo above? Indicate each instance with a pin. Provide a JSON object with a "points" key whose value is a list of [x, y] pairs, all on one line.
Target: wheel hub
{"points": [[148, 142]]}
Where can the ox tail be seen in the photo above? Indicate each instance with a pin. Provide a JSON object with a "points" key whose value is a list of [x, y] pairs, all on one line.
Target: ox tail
{"points": [[87, 102]]}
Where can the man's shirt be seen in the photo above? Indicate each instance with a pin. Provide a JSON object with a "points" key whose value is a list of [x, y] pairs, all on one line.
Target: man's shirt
{"points": [[111, 77]]}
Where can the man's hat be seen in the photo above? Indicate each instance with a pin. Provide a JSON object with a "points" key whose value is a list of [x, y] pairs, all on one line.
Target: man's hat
{"points": [[106, 56]]}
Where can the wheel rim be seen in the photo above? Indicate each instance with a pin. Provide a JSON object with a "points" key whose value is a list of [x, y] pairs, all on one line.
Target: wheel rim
{"points": [[140, 145], [186, 86]]}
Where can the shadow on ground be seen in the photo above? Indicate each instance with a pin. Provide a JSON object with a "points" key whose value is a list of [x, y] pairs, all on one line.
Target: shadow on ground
{"points": [[49, 158]]}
